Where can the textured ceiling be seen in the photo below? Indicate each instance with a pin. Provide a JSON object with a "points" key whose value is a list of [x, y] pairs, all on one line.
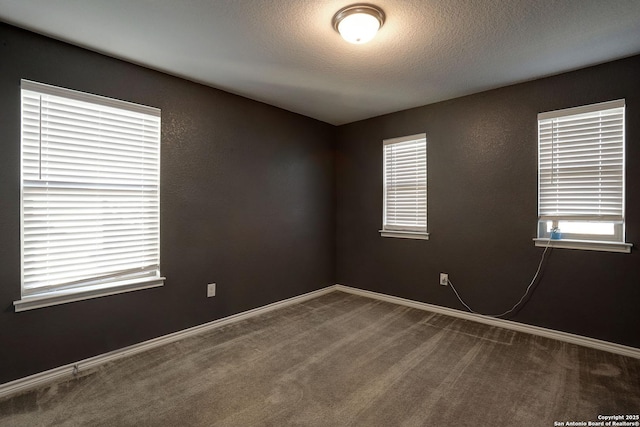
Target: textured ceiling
{"points": [[286, 53]]}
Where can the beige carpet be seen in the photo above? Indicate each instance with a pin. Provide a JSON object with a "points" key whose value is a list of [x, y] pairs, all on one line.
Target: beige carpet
{"points": [[343, 360]]}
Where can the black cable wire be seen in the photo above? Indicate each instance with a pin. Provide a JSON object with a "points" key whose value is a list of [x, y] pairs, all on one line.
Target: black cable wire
{"points": [[535, 277]]}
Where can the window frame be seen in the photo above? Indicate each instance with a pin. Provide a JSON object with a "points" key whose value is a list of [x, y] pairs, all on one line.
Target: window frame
{"points": [[591, 114], [113, 281], [403, 231]]}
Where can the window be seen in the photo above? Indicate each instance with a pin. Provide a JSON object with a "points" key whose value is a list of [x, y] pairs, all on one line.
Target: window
{"points": [[581, 177], [405, 187], [90, 196]]}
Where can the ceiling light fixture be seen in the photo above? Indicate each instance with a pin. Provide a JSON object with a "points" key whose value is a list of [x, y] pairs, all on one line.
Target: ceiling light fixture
{"points": [[358, 23]]}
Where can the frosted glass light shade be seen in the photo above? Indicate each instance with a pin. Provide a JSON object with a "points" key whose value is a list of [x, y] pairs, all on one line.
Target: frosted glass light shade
{"points": [[358, 28], [358, 23]]}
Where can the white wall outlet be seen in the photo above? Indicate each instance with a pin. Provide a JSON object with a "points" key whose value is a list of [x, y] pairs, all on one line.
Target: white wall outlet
{"points": [[444, 279], [211, 290]]}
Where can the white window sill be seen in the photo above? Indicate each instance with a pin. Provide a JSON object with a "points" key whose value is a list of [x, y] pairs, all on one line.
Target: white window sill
{"points": [[589, 245], [418, 235], [88, 292]]}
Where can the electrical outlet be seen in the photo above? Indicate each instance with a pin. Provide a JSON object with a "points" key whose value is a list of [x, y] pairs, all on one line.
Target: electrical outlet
{"points": [[211, 290], [444, 279]]}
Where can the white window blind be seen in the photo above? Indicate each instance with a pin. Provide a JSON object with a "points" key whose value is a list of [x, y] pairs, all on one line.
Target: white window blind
{"points": [[405, 185], [581, 172], [90, 192]]}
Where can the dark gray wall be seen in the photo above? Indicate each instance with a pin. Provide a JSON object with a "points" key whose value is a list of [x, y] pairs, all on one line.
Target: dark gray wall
{"points": [[247, 201], [482, 209]]}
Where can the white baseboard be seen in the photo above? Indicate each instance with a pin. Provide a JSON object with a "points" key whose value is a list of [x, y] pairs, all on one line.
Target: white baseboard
{"points": [[66, 371], [507, 324]]}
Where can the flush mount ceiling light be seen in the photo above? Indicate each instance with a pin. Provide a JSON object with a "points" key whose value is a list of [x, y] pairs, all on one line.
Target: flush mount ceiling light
{"points": [[358, 23]]}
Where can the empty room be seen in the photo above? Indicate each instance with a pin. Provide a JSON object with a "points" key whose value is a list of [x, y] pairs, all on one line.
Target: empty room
{"points": [[319, 213]]}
